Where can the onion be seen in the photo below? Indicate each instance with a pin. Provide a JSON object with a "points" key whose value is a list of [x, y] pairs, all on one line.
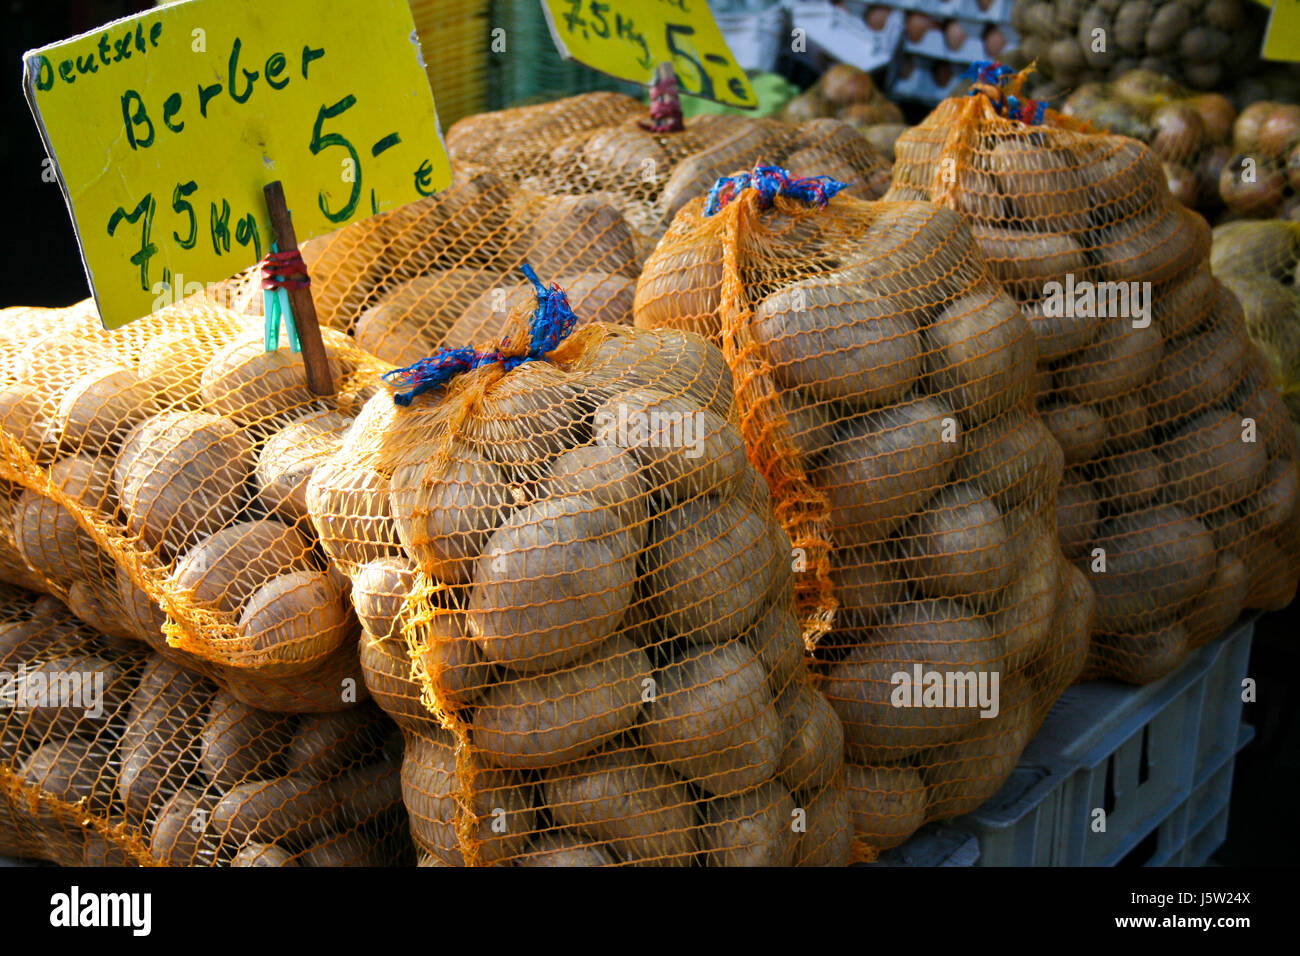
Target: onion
{"points": [[1217, 113], [1182, 182], [1245, 131], [1179, 132], [843, 84], [1280, 131], [1208, 171], [1258, 198]]}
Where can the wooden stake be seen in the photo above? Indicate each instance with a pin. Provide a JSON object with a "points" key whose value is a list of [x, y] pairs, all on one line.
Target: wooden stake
{"points": [[319, 379]]}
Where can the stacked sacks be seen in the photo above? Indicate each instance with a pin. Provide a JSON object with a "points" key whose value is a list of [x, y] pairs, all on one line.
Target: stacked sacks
{"points": [[647, 174], [883, 383], [584, 624], [111, 755], [1179, 498], [156, 478]]}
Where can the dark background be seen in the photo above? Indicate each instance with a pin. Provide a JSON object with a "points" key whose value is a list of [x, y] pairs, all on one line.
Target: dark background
{"points": [[41, 266]]}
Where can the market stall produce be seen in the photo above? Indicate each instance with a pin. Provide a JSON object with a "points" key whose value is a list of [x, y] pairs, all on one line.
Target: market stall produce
{"points": [[884, 386], [577, 606], [113, 755], [1179, 497]]}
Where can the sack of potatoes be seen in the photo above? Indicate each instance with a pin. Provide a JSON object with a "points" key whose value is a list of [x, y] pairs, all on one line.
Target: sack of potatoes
{"points": [[648, 176], [1260, 262], [1179, 496], [884, 385], [155, 478], [576, 604], [113, 755]]}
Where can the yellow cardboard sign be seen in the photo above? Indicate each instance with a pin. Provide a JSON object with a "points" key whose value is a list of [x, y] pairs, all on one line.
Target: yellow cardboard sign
{"points": [[1282, 39], [165, 127], [629, 38]]}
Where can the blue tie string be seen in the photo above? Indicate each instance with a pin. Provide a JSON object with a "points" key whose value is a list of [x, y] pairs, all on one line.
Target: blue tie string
{"points": [[770, 182]]}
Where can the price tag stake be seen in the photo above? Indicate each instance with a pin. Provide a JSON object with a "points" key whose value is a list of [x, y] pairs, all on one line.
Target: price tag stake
{"points": [[319, 379]]}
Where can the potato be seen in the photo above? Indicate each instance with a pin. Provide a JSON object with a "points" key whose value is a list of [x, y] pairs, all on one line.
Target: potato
{"points": [[778, 642], [49, 537], [1153, 249], [1040, 184], [350, 849], [1199, 371], [283, 809], [228, 567], [964, 774], [1077, 510], [888, 464], [1208, 462], [70, 770], [543, 720], [606, 474], [386, 666], [1274, 504], [326, 745], [444, 512], [349, 506], [887, 804], [838, 340], [1156, 561], [409, 321], [1127, 420], [1185, 305], [263, 854], [1142, 656], [669, 360], [172, 363], [238, 743], [295, 620], [712, 719], [379, 591], [750, 828], [1028, 604], [252, 386], [335, 683], [1218, 608], [1122, 360], [1271, 587], [572, 234], [813, 740], [983, 357], [682, 288], [1024, 262], [180, 477], [736, 150], [1063, 656], [287, 459], [1078, 429], [159, 748], [551, 583], [452, 659], [565, 850], [181, 834], [345, 265], [828, 839], [1130, 480], [502, 804], [959, 546], [97, 604], [941, 636], [75, 692], [1013, 458], [1124, 179], [99, 408], [685, 449], [708, 566], [24, 414], [636, 807]]}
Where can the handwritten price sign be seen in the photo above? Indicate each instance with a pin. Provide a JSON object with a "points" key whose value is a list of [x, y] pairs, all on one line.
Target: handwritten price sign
{"points": [[1282, 40], [165, 127], [629, 38]]}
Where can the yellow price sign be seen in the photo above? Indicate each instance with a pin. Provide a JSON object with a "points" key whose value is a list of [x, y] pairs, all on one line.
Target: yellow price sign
{"points": [[1282, 38], [629, 38], [165, 127]]}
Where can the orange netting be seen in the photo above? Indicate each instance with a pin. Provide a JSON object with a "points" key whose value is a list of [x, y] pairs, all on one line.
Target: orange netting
{"points": [[884, 383], [578, 608], [593, 145], [111, 755], [1179, 495]]}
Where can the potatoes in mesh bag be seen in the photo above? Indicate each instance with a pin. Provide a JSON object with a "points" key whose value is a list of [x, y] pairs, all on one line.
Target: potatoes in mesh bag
{"points": [[48, 536], [252, 386], [406, 322], [350, 510], [180, 476], [750, 828], [887, 804], [983, 354], [98, 408], [640, 811], [935, 635], [286, 460], [838, 340], [577, 234]]}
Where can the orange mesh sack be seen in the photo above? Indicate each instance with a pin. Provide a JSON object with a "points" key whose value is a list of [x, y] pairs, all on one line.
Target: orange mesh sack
{"points": [[155, 482], [650, 175], [1260, 263], [1179, 494], [883, 383], [446, 268], [577, 606], [112, 755]]}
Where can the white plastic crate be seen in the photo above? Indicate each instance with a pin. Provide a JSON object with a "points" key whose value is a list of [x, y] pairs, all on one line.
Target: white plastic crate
{"points": [[921, 85], [846, 36], [1149, 757], [933, 845], [754, 38]]}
